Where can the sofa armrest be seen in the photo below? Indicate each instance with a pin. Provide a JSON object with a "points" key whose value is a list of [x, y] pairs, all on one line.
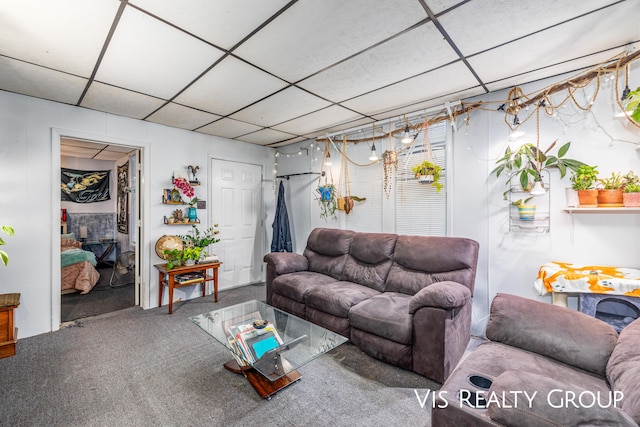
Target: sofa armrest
{"points": [[528, 399], [560, 333], [446, 295], [286, 262]]}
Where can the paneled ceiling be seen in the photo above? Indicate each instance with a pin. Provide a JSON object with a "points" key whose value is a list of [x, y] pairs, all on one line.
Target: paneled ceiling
{"points": [[276, 72]]}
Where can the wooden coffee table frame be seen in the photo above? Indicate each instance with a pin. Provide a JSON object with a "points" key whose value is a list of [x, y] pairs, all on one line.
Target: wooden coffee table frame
{"points": [[261, 384]]}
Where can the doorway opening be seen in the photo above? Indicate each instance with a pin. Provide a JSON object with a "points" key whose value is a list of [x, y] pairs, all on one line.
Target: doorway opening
{"points": [[100, 228]]}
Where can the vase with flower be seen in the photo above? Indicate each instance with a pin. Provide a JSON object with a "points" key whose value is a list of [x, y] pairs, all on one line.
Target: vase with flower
{"points": [[187, 190]]}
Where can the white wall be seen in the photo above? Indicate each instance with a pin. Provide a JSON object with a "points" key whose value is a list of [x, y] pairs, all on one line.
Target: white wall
{"points": [[509, 261], [27, 200]]}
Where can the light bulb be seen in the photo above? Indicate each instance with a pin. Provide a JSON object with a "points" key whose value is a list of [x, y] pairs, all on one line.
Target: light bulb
{"points": [[537, 189]]}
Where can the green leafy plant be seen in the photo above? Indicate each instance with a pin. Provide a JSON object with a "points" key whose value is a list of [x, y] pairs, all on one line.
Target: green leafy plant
{"points": [[201, 239], [633, 104], [614, 182], [584, 178], [528, 162], [8, 230], [427, 168], [631, 178], [632, 187], [173, 257], [328, 199]]}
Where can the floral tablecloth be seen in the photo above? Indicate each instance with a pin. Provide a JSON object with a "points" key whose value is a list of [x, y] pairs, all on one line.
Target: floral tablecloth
{"points": [[596, 279]]}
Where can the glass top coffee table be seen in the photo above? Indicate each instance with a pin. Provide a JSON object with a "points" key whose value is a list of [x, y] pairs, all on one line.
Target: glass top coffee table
{"points": [[268, 345]]}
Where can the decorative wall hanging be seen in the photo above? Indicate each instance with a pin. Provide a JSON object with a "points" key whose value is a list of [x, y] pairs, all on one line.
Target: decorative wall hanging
{"points": [[80, 186], [328, 199], [122, 207]]}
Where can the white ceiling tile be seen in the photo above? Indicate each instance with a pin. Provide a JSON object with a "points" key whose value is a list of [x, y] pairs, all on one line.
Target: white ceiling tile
{"points": [[584, 35], [65, 35], [181, 117], [229, 86], [110, 155], [438, 6], [84, 152], [416, 51], [312, 35], [452, 78], [439, 101], [228, 128], [32, 80], [480, 25], [114, 100], [287, 104], [221, 22], [318, 120], [150, 57], [566, 67], [343, 126], [266, 136]]}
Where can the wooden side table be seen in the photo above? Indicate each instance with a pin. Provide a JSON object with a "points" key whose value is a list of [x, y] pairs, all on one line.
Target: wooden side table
{"points": [[8, 332], [166, 277]]}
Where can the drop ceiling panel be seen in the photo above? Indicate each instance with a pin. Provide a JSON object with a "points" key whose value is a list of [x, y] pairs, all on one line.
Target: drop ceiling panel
{"points": [[123, 102], [479, 25], [66, 142], [287, 104], [318, 120], [412, 53], [452, 78], [570, 66], [228, 128], [83, 152], [221, 22], [63, 35], [150, 57], [229, 86], [312, 35], [438, 6], [28, 79], [266, 137], [181, 117], [343, 126], [111, 155], [620, 23]]}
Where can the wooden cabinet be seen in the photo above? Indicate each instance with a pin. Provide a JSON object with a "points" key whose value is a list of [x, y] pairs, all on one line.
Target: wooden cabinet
{"points": [[8, 332]]}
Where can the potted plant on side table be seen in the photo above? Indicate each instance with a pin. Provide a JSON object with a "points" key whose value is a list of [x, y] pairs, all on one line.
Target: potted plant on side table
{"points": [[583, 180]]}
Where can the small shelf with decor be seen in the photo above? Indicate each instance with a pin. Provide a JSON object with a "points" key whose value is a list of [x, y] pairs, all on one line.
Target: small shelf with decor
{"points": [[535, 215], [168, 221]]}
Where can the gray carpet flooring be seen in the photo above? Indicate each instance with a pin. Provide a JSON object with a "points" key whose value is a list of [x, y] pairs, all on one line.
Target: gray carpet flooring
{"points": [[139, 367], [100, 300]]}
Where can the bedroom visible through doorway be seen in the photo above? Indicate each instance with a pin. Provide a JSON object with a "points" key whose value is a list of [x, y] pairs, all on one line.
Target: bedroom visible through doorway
{"points": [[99, 228]]}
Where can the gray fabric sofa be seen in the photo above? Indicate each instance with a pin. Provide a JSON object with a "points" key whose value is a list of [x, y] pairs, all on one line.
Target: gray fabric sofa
{"points": [[405, 300], [544, 365]]}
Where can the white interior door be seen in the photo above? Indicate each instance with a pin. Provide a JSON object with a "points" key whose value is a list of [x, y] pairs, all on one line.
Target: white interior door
{"points": [[236, 206]]}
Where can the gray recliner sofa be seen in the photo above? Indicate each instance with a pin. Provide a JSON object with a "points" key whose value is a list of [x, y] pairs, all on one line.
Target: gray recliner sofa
{"points": [[544, 365], [405, 300]]}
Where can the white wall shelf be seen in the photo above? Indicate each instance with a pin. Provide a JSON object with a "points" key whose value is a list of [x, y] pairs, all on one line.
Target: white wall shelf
{"points": [[601, 210]]}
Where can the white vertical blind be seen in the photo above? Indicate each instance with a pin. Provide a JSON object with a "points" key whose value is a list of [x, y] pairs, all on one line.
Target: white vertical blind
{"points": [[420, 210]]}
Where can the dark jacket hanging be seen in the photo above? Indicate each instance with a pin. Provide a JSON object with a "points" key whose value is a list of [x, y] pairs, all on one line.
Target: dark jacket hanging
{"points": [[281, 232]]}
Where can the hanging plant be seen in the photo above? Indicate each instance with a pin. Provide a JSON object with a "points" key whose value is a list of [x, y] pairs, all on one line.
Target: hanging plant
{"points": [[633, 104], [428, 173], [389, 162], [328, 201]]}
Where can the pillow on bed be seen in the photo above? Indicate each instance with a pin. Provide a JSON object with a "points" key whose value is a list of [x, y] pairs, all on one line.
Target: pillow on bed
{"points": [[68, 236], [66, 244]]}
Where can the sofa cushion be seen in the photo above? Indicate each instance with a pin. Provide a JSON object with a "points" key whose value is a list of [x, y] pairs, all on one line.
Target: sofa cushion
{"points": [[546, 402], [337, 298], [623, 369], [385, 315], [553, 331], [295, 286], [420, 261], [327, 250], [369, 260]]}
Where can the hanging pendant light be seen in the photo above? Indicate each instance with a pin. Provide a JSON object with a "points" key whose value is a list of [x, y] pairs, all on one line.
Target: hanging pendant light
{"points": [[373, 157], [406, 135], [538, 189]]}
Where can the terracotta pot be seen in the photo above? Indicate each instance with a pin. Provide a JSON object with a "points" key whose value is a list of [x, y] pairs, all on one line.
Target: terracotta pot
{"points": [[631, 200], [588, 198], [610, 198]]}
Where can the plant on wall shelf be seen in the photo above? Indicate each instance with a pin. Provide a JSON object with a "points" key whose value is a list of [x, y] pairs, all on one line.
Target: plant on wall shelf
{"points": [[8, 230], [430, 171], [614, 182], [584, 178], [528, 162]]}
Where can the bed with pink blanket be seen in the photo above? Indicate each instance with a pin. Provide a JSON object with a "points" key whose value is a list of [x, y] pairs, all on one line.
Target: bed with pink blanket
{"points": [[77, 267]]}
